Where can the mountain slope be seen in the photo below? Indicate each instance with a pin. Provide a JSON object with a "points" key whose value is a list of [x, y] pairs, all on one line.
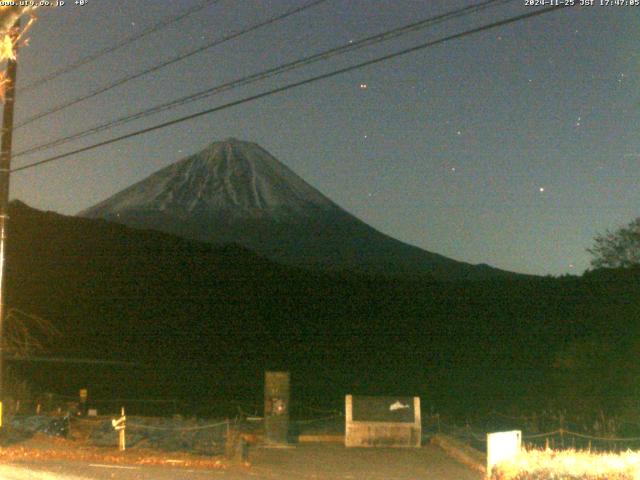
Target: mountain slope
{"points": [[236, 192]]}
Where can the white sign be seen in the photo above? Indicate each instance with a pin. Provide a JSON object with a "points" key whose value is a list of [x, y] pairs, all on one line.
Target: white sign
{"points": [[397, 406], [119, 423], [502, 446]]}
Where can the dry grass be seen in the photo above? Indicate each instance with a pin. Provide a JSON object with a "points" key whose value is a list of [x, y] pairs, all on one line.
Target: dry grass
{"points": [[570, 464]]}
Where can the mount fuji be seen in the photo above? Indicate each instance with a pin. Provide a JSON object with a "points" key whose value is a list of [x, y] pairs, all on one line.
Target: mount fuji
{"points": [[237, 192]]}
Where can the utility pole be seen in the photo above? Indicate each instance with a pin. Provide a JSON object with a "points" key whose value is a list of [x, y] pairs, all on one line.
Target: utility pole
{"points": [[5, 169]]}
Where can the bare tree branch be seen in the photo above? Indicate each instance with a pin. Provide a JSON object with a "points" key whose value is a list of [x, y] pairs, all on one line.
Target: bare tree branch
{"points": [[24, 332]]}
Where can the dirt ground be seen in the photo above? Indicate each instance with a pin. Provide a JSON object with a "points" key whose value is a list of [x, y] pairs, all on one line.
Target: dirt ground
{"points": [[326, 461], [41, 449], [305, 462]]}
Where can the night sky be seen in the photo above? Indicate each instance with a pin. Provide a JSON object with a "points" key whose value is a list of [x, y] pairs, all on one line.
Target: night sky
{"points": [[511, 147]]}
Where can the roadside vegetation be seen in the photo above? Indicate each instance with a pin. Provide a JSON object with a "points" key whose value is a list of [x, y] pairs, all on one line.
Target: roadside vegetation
{"points": [[569, 465]]}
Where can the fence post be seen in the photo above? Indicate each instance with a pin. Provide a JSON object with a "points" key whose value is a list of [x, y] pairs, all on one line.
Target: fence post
{"points": [[122, 443]]}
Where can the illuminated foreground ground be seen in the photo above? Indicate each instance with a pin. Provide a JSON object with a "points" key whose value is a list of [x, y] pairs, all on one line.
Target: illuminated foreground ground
{"points": [[571, 464], [319, 462]]}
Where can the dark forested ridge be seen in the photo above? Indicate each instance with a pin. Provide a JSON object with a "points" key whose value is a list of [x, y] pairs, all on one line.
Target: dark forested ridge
{"points": [[204, 322]]}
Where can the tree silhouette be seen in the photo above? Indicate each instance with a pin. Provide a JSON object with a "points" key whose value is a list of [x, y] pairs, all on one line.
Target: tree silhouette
{"points": [[619, 249]]}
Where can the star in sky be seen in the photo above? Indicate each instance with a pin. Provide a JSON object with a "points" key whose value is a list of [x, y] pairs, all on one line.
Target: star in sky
{"points": [[474, 88]]}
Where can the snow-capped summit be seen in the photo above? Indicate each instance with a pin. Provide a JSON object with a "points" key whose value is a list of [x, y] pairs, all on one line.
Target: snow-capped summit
{"points": [[238, 178], [237, 192]]}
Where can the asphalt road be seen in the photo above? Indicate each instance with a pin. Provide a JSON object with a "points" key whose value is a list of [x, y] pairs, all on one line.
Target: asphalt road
{"points": [[318, 462]]}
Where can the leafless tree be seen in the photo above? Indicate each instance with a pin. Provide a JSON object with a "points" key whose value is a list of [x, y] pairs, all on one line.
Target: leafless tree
{"points": [[25, 333]]}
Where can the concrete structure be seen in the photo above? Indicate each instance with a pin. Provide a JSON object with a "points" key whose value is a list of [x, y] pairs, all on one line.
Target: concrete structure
{"points": [[382, 421], [276, 407]]}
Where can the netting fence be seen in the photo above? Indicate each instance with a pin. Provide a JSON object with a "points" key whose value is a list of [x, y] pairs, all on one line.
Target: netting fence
{"points": [[202, 437], [546, 430], [171, 432]]}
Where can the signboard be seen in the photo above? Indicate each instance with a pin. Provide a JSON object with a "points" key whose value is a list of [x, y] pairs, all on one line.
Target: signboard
{"points": [[382, 421], [502, 446], [383, 409]]}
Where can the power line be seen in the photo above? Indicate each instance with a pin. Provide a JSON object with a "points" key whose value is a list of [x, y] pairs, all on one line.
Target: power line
{"points": [[171, 61], [94, 56], [302, 62], [290, 86]]}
